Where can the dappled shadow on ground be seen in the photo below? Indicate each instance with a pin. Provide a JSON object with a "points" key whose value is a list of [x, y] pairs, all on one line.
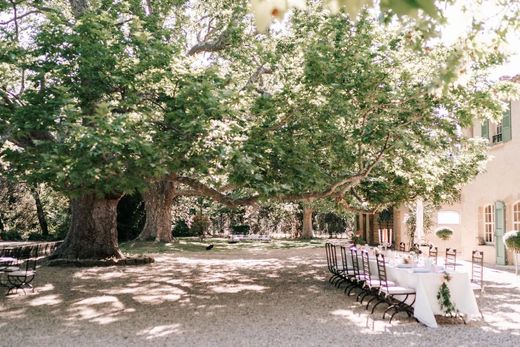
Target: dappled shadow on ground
{"points": [[275, 297]]}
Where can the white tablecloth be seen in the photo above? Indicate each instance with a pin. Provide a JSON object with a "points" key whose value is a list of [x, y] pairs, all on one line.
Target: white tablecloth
{"points": [[426, 285]]}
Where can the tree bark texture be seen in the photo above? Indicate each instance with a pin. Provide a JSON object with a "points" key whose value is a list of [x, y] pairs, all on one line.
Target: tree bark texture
{"points": [[307, 232], [158, 200], [78, 7], [42, 220], [93, 229]]}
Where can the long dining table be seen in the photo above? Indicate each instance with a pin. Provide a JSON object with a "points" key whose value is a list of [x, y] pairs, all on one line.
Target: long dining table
{"points": [[426, 282]]}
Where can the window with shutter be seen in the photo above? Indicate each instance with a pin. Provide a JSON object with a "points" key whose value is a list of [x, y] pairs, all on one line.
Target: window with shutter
{"points": [[484, 129], [516, 216], [506, 125], [489, 223]]}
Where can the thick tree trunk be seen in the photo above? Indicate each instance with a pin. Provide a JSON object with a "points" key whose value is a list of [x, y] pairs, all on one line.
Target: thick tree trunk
{"points": [[42, 220], [307, 232], [158, 200], [93, 229]]}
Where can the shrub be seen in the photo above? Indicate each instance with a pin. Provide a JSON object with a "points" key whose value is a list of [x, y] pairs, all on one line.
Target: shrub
{"points": [[240, 229], [11, 236], [181, 229], [199, 225], [444, 234], [512, 240], [34, 236]]}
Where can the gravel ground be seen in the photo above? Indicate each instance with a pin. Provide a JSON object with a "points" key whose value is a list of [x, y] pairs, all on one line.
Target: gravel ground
{"points": [[237, 298]]}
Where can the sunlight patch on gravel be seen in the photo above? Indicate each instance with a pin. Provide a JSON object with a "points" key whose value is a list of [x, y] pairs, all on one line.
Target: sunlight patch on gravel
{"points": [[99, 309], [160, 331], [234, 288], [46, 300], [359, 320], [228, 262]]}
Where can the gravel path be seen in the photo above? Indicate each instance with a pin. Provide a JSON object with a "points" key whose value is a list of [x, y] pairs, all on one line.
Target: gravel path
{"points": [[239, 298]]}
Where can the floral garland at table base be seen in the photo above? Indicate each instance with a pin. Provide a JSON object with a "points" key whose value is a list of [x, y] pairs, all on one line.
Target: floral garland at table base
{"points": [[444, 299]]}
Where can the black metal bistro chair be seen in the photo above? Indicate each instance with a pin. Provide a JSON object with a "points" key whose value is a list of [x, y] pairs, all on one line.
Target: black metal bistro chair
{"points": [[347, 269], [358, 280], [23, 277], [371, 284], [477, 274], [433, 253], [338, 275], [391, 294], [450, 261]]}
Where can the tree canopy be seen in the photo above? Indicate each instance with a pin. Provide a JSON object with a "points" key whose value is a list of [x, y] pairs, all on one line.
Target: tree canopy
{"points": [[101, 99]]}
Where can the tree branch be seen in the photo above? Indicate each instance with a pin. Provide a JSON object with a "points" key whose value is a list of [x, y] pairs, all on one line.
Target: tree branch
{"points": [[218, 44], [201, 189]]}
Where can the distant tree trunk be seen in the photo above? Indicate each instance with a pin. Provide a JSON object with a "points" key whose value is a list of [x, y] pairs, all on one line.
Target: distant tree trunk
{"points": [[307, 231], [42, 220], [158, 200], [93, 229], [1, 223]]}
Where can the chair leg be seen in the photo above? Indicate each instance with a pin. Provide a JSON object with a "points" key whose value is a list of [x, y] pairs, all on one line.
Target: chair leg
{"points": [[362, 295], [356, 285], [391, 307], [377, 304], [393, 314], [370, 301]]}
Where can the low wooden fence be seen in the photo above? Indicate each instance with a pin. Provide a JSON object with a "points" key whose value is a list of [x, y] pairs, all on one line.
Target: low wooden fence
{"points": [[33, 250]]}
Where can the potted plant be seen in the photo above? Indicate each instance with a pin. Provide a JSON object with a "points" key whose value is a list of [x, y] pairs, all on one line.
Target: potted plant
{"points": [[512, 242], [444, 233]]}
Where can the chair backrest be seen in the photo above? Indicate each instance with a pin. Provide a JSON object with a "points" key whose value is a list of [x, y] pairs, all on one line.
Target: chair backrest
{"points": [[451, 258], [381, 270], [365, 261], [344, 259], [402, 247], [30, 264], [334, 257], [328, 252], [477, 267], [433, 252], [355, 261]]}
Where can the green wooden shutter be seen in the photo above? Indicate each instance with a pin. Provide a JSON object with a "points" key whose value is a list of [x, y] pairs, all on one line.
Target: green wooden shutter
{"points": [[500, 222], [484, 129], [506, 125]]}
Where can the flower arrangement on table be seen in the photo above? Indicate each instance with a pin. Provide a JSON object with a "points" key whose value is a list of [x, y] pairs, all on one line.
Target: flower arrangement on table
{"points": [[409, 258]]}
